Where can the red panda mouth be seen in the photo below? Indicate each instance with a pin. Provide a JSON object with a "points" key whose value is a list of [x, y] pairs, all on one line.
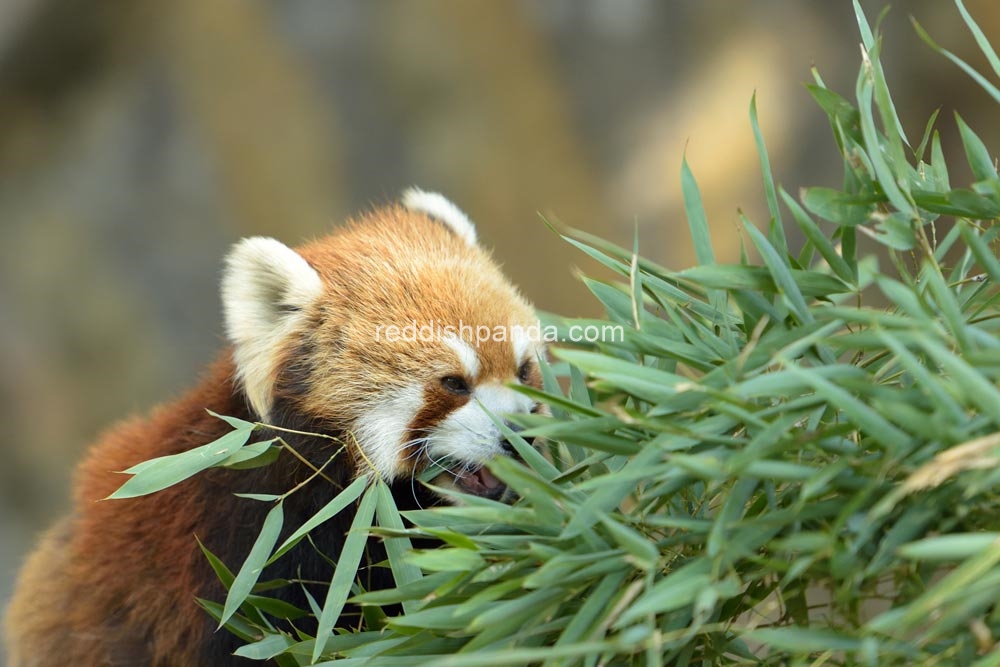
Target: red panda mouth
{"points": [[481, 482]]}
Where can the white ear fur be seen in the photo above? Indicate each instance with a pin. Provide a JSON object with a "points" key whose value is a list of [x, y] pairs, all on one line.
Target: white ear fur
{"points": [[439, 208], [265, 288]]}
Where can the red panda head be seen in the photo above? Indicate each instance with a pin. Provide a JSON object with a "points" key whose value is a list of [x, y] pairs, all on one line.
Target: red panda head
{"points": [[397, 331]]}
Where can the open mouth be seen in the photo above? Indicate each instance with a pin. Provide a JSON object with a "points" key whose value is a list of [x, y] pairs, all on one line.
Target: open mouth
{"points": [[474, 481], [481, 482]]}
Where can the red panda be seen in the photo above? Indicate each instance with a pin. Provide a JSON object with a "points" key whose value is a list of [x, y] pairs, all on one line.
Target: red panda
{"points": [[312, 350]]}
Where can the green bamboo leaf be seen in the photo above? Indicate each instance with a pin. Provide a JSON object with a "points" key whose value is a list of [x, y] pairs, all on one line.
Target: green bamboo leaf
{"points": [[957, 583], [938, 168], [260, 497], [991, 659], [644, 553], [697, 222], [550, 381], [759, 279], [237, 424], [238, 625], [895, 230], [165, 471], [868, 419], [993, 91], [443, 617], [404, 572], [527, 452], [347, 568], [557, 400], [446, 560], [976, 152], [776, 229], [780, 273], [336, 505], [596, 604], [886, 105], [505, 657], [977, 33], [843, 117], [224, 574], [978, 390], [415, 590], [675, 591], [803, 640], [928, 131], [951, 311], [646, 382], [578, 387], [546, 499], [500, 590], [617, 303], [923, 377], [266, 648], [254, 455], [254, 564], [779, 470], [838, 207], [478, 511], [980, 250], [612, 490], [274, 607], [953, 547], [906, 299], [896, 189], [515, 612], [819, 240]]}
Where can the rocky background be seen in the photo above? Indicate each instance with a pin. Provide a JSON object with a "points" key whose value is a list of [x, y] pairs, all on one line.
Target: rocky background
{"points": [[138, 139]]}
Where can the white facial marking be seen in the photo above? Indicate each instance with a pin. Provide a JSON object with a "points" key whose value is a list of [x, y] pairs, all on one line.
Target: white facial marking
{"points": [[265, 289], [380, 430], [466, 354], [469, 434], [439, 208]]}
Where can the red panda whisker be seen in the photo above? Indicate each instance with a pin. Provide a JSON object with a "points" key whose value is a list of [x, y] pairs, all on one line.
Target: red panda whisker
{"points": [[409, 444]]}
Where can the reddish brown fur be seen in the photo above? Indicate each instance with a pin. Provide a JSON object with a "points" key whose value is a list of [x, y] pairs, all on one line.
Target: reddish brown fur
{"points": [[115, 583], [103, 570], [441, 280], [437, 403]]}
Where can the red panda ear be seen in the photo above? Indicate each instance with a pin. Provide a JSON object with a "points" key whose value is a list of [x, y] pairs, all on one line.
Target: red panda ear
{"points": [[265, 289], [442, 210]]}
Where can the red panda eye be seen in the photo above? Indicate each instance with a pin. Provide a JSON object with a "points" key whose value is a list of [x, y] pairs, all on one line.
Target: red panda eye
{"points": [[455, 384], [524, 372]]}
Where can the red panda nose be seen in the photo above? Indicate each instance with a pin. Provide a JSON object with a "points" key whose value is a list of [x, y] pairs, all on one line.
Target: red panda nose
{"points": [[506, 445]]}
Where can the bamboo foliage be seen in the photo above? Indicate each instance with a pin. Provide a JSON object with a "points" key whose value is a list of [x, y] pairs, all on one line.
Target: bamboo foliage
{"points": [[785, 461]]}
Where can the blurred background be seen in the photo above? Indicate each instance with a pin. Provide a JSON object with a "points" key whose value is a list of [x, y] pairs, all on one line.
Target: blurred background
{"points": [[140, 138]]}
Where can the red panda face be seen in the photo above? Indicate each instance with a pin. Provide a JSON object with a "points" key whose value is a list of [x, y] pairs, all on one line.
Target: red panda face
{"points": [[398, 332], [449, 420]]}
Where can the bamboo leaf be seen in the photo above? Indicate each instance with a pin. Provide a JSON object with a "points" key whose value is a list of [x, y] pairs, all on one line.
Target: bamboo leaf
{"points": [[253, 566], [697, 222], [347, 568], [776, 229], [163, 472], [404, 572], [336, 505]]}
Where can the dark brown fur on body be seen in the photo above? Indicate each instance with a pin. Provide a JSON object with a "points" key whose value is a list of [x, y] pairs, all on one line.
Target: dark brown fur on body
{"points": [[143, 551]]}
